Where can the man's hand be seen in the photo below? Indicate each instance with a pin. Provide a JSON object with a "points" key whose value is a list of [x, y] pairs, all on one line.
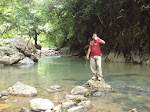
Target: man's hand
{"points": [[87, 57], [101, 41]]}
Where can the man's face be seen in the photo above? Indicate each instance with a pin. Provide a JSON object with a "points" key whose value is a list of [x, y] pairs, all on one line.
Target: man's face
{"points": [[94, 35]]}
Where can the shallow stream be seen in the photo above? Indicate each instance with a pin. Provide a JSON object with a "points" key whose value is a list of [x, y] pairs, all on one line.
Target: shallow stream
{"points": [[130, 81]]}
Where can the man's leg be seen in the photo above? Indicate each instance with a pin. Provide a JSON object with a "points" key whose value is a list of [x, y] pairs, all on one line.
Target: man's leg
{"points": [[99, 67], [93, 66]]}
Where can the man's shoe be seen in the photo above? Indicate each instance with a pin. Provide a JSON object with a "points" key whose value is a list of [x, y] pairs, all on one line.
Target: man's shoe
{"points": [[93, 77], [99, 78]]}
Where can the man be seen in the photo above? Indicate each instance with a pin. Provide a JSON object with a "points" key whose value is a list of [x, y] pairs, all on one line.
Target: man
{"points": [[95, 56]]}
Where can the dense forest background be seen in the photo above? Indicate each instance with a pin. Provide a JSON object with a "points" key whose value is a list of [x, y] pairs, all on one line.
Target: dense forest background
{"points": [[123, 24]]}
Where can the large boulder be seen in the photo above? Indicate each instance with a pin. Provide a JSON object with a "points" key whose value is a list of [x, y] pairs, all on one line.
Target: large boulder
{"points": [[15, 49], [40, 104], [95, 85], [22, 89], [26, 47], [8, 60]]}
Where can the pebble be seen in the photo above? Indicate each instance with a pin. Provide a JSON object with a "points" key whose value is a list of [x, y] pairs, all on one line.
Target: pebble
{"points": [[23, 109], [0, 95], [6, 101], [15, 101], [97, 94]]}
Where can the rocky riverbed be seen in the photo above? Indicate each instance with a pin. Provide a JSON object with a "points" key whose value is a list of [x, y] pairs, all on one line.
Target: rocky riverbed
{"points": [[48, 52], [26, 98], [74, 101]]}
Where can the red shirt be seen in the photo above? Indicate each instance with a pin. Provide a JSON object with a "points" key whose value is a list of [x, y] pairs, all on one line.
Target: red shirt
{"points": [[95, 48]]}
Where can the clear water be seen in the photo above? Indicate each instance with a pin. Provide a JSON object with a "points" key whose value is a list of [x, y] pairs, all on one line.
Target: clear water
{"points": [[131, 82]]}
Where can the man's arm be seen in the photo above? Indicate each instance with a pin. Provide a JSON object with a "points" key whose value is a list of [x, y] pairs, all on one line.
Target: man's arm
{"points": [[88, 53], [101, 41]]}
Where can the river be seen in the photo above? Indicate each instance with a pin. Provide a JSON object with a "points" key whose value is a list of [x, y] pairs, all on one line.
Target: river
{"points": [[130, 81]]}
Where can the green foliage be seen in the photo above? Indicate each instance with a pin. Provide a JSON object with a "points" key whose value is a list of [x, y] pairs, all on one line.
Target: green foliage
{"points": [[123, 24], [5, 36]]}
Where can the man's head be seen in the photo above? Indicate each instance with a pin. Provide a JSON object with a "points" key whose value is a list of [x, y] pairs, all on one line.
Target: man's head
{"points": [[94, 35]]}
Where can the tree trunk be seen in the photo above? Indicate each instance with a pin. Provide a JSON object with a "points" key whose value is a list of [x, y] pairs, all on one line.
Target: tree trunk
{"points": [[35, 38]]}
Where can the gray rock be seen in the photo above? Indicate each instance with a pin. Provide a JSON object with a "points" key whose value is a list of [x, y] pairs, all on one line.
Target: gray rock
{"points": [[8, 60], [4, 97], [55, 88], [65, 50], [76, 98], [0, 95], [93, 85], [69, 96], [136, 59], [4, 93], [147, 62], [16, 49], [1, 111], [79, 90], [23, 109], [77, 109], [86, 104], [40, 104], [66, 105], [22, 89], [25, 46], [26, 60]]}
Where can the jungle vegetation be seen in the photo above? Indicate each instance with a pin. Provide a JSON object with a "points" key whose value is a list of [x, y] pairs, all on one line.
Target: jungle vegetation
{"points": [[123, 24]]}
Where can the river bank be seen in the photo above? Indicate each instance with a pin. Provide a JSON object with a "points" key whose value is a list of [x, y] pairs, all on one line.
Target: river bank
{"points": [[143, 59]]}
